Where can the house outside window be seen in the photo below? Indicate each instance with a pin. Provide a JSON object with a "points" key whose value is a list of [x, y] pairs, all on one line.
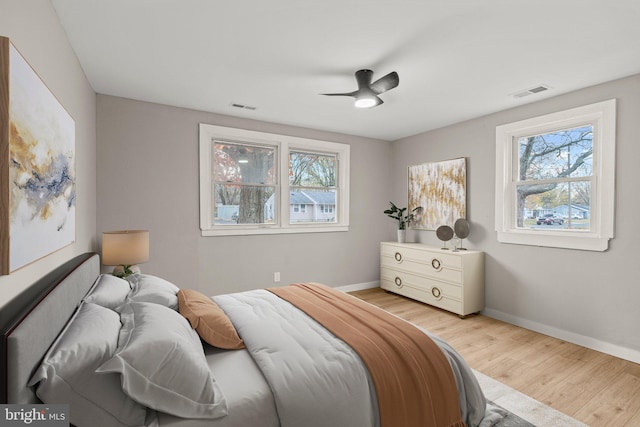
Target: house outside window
{"points": [[313, 182], [259, 183], [318, 206], [555, 179]]}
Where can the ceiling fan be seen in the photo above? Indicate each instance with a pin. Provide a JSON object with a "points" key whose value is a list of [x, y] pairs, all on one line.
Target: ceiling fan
{"points": [[367, 94]]}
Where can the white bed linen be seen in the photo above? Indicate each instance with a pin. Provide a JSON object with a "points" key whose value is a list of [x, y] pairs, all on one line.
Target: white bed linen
{"points": [[317, 380], [267, 323], [249, 399]]}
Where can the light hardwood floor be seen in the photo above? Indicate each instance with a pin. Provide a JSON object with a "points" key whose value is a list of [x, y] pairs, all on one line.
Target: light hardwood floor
{"points": [[592, 387]]}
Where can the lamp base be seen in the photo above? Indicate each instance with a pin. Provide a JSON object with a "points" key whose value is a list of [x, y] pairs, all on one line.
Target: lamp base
{"points": [[125, 270]]}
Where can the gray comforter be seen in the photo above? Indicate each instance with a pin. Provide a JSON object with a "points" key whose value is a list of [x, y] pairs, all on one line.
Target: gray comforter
{"points": [[316, 379]]}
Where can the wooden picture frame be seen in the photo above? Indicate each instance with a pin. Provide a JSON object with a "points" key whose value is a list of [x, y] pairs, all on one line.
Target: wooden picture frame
{"points": [[440, 189], [37, 165]]}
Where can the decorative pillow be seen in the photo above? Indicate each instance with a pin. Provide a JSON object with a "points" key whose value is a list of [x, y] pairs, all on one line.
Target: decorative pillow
{"points": [[162, 364], [109, 291], [211, 323], [147, 288], [67, 373]]}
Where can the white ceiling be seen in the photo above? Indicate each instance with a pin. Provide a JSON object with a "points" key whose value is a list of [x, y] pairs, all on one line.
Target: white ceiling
{"points": [[457, 59]]}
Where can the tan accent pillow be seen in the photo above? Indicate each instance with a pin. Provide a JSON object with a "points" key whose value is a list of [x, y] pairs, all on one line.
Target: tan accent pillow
{"points": [[211, 323]]}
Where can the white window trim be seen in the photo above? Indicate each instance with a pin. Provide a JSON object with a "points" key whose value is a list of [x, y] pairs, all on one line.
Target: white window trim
{"points": [[284, 143], [602, 116]]}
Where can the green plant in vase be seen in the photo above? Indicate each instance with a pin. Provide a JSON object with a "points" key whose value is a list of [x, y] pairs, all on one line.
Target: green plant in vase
{"points": [[404, 219]]}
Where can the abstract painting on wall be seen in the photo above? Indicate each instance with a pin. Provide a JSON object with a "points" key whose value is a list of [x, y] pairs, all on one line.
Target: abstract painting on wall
{"points": [[37, 165], [440, 189]]}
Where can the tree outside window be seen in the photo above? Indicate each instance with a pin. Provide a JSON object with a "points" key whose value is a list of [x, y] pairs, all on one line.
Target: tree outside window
{"points": [[244, 178], [313, 176], [554, 174]]}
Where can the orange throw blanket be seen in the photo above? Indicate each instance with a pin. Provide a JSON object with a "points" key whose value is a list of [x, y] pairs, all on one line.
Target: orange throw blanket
{"points": [[413, 379]]}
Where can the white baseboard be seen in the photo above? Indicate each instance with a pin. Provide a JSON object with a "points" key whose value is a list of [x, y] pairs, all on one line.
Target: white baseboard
{"points": [[589, 342], [359, 286]]}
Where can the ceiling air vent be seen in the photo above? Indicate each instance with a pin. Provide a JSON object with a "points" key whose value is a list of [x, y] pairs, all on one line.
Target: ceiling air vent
{"points": [[531, 91], [242, 106]]}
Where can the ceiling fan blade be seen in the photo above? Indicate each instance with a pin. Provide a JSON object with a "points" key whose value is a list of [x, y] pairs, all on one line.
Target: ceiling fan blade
{"points": [[364, 77], [385, 83], [341, 94]]}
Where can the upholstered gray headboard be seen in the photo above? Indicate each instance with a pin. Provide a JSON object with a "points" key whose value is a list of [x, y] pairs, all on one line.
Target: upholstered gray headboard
{"points": [[31, 322]]}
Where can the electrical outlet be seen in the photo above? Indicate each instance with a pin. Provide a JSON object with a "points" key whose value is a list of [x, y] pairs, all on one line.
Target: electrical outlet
{"points": [[276, 277]]}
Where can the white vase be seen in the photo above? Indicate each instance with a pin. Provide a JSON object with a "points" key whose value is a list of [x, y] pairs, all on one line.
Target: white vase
{"points": [[402, 236]]}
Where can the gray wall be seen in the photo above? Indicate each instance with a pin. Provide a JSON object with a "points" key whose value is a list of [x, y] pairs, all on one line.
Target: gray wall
{"points": [[148, 178], [582, 296], [35, 31]]}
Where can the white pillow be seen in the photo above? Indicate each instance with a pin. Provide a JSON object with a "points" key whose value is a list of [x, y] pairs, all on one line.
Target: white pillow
{"points": [[162, 363], [109, 291], [67, 373], [147, 288]]}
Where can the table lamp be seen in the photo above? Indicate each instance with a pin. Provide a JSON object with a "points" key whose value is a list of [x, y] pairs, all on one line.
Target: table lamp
{"points": [[124, 249]]}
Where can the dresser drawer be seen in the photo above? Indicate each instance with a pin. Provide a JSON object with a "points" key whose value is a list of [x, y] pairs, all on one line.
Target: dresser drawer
{"points": [[434, 265], [430, 292], [397, 279], [400, 254]]}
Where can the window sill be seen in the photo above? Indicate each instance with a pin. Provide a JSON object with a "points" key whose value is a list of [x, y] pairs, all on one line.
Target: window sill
{"points": [[256, 230], [586, 242]]}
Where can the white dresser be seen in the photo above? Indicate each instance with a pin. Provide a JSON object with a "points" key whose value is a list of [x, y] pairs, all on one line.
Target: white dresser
{"points": [[453, 281]]}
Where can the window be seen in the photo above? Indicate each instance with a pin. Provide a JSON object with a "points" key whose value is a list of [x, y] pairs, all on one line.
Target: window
{"points": [[312, 180], [555, 179], [244, 178], [260, 183], [326, 209]]}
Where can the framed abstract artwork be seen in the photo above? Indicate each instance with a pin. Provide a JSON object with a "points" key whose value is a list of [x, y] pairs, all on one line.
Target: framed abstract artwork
{"points": [[440, 189], [37, 165]]}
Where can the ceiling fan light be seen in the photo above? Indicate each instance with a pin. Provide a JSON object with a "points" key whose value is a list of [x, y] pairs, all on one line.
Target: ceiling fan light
{"points": [[365, 102]]}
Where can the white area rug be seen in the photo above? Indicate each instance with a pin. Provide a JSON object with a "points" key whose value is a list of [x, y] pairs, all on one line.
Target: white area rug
{"points": [[523, 406]]}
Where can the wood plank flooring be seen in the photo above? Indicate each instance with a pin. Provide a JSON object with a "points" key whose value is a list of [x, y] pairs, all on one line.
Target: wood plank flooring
{"points": [[592, 387]]}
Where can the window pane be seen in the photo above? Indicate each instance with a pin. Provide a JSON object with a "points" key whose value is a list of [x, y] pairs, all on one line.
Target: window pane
{"points": [[312, 169], [555, 206], [560, 154], [243, 204], [312, 206], [243, 163]]}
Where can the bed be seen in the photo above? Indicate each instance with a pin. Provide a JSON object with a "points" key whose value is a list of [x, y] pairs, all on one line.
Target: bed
{"points": [[317, 380]]}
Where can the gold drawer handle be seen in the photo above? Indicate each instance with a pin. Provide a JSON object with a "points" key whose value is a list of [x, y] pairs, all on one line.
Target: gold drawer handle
{"points": [[437, 293], [398, 256], [436, 264], [398, 282]]}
